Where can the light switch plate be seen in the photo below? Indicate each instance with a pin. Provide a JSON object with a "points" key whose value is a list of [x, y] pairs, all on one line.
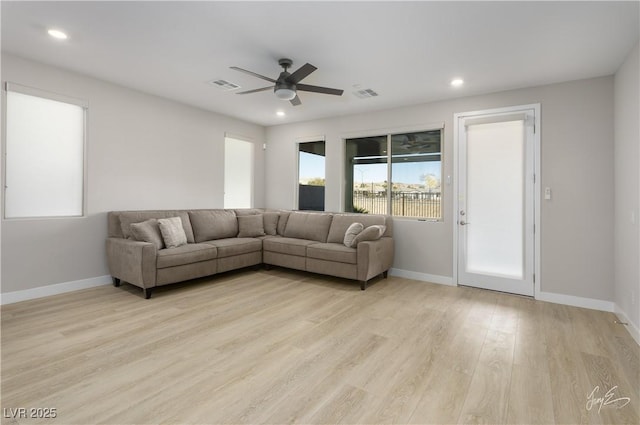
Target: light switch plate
{"points": [[547, 193]]}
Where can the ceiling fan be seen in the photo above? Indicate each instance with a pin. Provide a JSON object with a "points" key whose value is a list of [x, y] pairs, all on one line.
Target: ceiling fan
{"points": [[419, 141], [287, 84]]}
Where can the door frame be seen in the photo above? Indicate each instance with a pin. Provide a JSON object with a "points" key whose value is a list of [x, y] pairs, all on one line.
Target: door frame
{"points": [[536, 185]]}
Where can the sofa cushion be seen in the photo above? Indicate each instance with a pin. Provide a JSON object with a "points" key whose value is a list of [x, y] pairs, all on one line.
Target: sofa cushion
{"points": [[287, 245], [148, 231], [332, 252], [172, 232], [213, 224], [270, 222], [371, 233], [283, 217], [341, 223], [250, 226], [185, 254], [310, 226], [247, 211], [235, 246], [351, 233], [128, 217]]}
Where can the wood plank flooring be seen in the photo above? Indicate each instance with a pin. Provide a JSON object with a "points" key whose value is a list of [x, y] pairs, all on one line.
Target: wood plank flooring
{"points": [[279, 346]]}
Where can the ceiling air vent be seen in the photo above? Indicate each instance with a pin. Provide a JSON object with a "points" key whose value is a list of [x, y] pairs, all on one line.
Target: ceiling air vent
{"points": [[224, 85], [363, 94]]}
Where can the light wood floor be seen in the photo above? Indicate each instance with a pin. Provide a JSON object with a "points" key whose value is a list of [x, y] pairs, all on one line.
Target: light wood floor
{"points": [[280, 346]]}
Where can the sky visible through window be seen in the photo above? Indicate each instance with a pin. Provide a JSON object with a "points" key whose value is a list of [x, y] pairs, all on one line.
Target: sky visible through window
{"points": [[412, 173], [311, 166]]}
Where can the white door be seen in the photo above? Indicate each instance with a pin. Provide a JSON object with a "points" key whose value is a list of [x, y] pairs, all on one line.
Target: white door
{"points": [[495, 207]]}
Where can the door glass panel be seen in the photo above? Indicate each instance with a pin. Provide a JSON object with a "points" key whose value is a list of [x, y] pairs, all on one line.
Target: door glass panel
{"points": [[495, 199]]}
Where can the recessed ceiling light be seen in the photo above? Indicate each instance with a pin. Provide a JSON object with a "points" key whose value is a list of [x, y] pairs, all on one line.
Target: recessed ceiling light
{"points": [[280, 113], [57, 34], [457, 82]]}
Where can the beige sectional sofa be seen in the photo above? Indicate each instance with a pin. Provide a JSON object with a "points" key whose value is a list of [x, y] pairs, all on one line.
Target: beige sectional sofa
{"points": [[220, 240]]}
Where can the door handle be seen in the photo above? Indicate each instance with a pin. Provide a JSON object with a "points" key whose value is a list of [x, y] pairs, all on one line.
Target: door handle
{"points": [[463, 223]]}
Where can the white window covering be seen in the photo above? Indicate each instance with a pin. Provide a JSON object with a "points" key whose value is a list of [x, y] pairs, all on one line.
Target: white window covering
{"points": [[45, 141], [238, 173]]}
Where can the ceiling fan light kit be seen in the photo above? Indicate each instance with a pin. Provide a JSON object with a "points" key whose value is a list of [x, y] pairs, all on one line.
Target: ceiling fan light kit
{"points": [[285, 94], [285, 91], [287, 85]]}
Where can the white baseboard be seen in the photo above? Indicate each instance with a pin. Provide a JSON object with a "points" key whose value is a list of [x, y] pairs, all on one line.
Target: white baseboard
{"points": [[425, 277], [58, 288], [574, 301], [631, 327]]}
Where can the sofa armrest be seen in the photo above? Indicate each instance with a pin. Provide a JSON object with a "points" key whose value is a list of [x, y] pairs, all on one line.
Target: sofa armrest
{"points": [[374, 257], [132, 261]]}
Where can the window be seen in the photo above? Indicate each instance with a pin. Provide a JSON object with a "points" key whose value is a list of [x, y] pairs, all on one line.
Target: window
{"points": [[397, 174], [311, 176], [45, 142], [238, 173]]}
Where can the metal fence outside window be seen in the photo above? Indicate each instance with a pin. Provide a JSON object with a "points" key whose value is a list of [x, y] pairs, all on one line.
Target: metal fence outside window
{"points": [[405, 204]]}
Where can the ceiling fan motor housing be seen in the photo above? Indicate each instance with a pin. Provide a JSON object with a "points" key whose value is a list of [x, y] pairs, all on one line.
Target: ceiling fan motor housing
{"points": [[284, 90]]}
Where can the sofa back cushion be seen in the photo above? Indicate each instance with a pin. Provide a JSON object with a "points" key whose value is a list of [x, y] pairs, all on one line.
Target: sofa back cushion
{"points": [[309, 226], [270, 222], [248, 211], [283, 217], [209, 225], [128, 217], [341, 223]]}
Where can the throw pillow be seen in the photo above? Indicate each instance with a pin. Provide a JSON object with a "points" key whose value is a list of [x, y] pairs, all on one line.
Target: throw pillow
{"points": [[371, 233], [271, 223], [250, 226], [172, 232], [352, 231], [148, 231]]}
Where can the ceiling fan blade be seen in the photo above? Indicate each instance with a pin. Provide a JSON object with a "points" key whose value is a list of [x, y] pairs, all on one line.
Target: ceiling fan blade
{"points": [[271, 80], [256, 90], [296, 101], [301, 73], [317, 89]]}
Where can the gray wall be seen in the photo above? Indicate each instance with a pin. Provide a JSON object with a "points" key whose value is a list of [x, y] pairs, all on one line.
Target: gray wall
{"points": [[144, 152], [577, 163], [627, 187]]}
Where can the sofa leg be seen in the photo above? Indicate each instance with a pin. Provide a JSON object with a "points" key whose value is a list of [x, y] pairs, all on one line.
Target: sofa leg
{"points": [[363, 285], [385, 274], [116, 282], [147, 293]]}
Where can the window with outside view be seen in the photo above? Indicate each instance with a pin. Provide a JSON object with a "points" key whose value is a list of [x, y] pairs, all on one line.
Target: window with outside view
{"points": [[397, 174], [311, 176]]}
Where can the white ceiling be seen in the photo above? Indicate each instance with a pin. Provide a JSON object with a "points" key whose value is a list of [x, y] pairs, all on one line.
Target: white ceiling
{"points": [[406, 51]]}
